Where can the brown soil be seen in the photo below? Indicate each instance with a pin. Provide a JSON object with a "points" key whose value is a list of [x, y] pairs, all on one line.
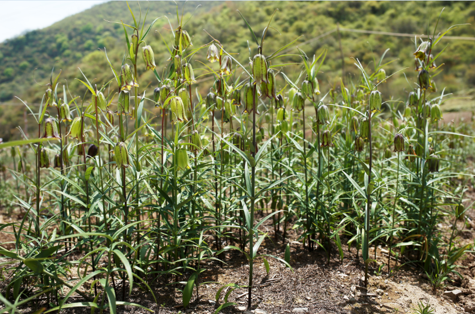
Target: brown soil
{"points": [[315, 283]]}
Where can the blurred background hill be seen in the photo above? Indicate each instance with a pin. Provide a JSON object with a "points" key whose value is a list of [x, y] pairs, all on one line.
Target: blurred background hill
{"points": [[79, 41]]}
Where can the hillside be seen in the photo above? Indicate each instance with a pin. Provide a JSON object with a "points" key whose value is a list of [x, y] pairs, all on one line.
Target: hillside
{"points": [[26, 61]]}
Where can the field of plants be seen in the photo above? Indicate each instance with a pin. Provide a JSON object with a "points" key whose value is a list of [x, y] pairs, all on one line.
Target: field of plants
{"points": [[264, 193]]}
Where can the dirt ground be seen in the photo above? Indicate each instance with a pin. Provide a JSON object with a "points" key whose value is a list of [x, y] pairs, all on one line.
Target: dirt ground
{"points": [[314, 285]]}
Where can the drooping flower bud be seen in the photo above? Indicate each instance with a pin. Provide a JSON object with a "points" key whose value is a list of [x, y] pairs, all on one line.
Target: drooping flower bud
{"points": [[149, 57], [92, 150], [210, 100], [76, 126], [196, 139], [121, 155], [124, 103], [219, 103], [281, 114], [213, 53], [279, 101], [460, 212], [127, 78], [226, 65], [355, 124], [250, 94], [323, 114], [165, 92], [259, 68], [185, 97], [422, 51], [407, 112], [50, 129], [44, 158], [178, 110], [298, 102], [387, 153], [135, 43], [424, 79], [433, 163], [398, 143], [364, 128], [292, 93], [236, 97], [381, 75], [413, 100], [326, 139], [64, 113], [426, 110], [359, 144], [435, 113], [375, 100], [182, 159], [48, 97], [189, 74], [307, 90], [264, 91], [184, 37], [57, 161], [53, 103], [315, 86]]}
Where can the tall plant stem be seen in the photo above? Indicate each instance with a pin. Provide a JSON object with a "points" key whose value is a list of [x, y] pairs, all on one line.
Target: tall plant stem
{"points": [[38, 182], [393, 214], [309, 225], [368, 204], [253, 185]]}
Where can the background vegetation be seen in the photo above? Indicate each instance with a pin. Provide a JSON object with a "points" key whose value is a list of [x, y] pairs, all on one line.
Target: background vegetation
{"points": [[26, 61]]}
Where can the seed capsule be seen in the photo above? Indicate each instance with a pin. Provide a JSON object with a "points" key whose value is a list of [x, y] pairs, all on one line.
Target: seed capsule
{"points": [[121, 155], [92, 150], [298, 102], [149, 57], [189, 75], [435, 113], [57, 161], [135, 43], [359, 144], [326, 139], [375, 100], [364, 128], [182, 159], [323, 114], [422, 51], [413, 100], [259, 68], [50, 129], [127, 78], [20, 165], [44, 159], [213, 53], [178, 110], [424, 79], [433, 163], [398, 143]]}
